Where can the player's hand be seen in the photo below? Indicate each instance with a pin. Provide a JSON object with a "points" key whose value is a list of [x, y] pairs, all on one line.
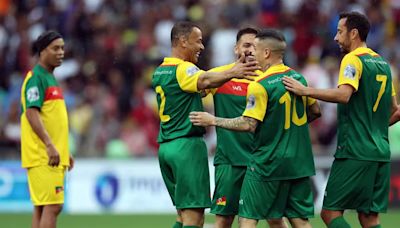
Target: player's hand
{"points": [[54, 156], [203, 119], [294, 86], [245, 69], [71, 163]]}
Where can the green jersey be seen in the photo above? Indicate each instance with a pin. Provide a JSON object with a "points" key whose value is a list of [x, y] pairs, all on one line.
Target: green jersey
{"points": [[233, 147], [363, 122], [283, 146], [175, 82]]}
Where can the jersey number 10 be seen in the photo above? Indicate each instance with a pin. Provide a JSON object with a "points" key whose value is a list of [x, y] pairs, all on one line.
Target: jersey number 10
{"points": [[287, 100]]}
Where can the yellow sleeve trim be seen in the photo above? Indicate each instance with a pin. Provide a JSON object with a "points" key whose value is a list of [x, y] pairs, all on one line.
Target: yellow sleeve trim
{"points": [[310, 101], [257, 100], [393, 90], [350, 71], [187, 75]]}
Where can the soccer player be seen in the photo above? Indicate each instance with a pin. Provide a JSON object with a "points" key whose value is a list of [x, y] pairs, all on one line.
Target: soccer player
{"points": [[44, 132], [233, 148], [360, 173], [277, 182], [183, 153]]}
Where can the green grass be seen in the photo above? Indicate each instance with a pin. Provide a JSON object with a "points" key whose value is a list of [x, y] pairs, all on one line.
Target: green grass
{"points": [[389, 220]]}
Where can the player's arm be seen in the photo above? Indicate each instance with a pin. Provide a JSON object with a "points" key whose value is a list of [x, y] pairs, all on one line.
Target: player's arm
{"points": [[395, 116], [210, 79], [33, 116], [349, 76], [313, 110], [241, 123]]}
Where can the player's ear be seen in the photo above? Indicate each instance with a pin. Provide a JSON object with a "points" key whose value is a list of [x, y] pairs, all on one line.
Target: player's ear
{"points": [[354, 34], [183, 40]]}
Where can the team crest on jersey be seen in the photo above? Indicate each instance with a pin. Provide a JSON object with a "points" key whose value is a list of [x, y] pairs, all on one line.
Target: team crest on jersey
{"points": [[190, 71], [251, 102], [32, 94], [221, 201], [350, 71]]}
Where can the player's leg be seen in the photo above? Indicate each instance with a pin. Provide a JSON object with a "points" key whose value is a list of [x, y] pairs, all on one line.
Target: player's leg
{"points": [[225, 203], [247, 223], [46, 186], [261, 200], [300, 203], [350, 186], [277, 223], [49, 215], [380, 197], [168, 176], [37, 214], [192, 193]]}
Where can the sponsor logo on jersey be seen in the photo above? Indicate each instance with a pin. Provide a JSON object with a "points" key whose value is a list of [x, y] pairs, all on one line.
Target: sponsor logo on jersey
{"points": [[349, 71], [190, 71], [59, 189], [221, 201], [251, 102], [237, 88], [241, 201], [33, 94]]}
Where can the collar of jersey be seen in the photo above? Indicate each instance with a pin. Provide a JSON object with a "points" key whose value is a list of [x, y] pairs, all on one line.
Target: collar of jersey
{"points": [[363, 50], [276, 69], [171, 61], [41, 70]]}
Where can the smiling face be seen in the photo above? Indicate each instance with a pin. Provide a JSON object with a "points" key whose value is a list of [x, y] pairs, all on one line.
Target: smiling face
{"points": [[53, 55], [194, 45], [245, 46], [342, 36]]}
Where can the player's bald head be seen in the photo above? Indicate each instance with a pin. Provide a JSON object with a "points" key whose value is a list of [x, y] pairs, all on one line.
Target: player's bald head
{"points": [[273, 40]]}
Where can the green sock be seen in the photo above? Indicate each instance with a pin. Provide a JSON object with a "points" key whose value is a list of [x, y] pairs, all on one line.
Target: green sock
{"points": [[339, 222], [376, 226], [177, 225], [191, 226]]}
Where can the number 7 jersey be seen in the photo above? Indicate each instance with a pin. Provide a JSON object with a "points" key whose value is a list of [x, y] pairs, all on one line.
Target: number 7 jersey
{"points": [[364, 121], [175, 82]]}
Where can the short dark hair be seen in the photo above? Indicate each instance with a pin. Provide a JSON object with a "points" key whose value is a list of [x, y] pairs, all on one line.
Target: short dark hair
{"points": [[181, 28], [246, 30], [356, 20], [271, 34]]}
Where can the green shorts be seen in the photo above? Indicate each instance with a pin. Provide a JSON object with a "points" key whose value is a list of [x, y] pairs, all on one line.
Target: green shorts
{"points": [[184, 168], [276, 199], [228, 182], [360, 185]]}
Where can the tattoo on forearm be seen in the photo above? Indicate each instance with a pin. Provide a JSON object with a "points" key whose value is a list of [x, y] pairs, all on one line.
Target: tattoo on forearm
{"points": [[238, 124]]}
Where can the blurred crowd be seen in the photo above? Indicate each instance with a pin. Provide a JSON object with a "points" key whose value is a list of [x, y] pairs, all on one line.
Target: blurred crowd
{"points": [[113, 46]]}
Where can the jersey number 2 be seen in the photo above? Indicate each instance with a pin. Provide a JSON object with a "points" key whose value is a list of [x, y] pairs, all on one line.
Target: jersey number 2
{"points": [[163, 118], [287, 100], [382, 79]]}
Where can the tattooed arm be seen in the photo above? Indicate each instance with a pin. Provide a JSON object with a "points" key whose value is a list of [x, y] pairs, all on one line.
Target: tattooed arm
{"points": [[241, 123]]}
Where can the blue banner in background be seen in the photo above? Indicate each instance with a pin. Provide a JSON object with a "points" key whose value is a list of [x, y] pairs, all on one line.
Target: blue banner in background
{"points": [[14, 190]]}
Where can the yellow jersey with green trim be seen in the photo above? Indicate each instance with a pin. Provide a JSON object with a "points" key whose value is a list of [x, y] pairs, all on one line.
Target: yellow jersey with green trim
{"points": [[282, 142], [41, 90], [175, 82], [364, 121]]}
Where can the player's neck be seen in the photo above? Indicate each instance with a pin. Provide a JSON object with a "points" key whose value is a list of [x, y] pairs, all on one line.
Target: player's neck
{"points": [[357, 44], [178, 53], [46, 67]]}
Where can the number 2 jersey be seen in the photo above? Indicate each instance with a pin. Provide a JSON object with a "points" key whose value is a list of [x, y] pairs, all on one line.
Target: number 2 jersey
{"points": [[364, 121], [175, 82]]}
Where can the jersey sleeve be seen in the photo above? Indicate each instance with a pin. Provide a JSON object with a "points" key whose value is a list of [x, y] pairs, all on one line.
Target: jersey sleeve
{"points": [[187, 75], [257, 100], [350, 71], [310, 101], [393, 90], [34, 92]]}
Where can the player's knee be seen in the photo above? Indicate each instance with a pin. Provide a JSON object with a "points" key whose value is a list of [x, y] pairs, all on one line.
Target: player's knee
{"points": [[223, 221], [277, 223], [368, 220], [328, 215], [54, 208]]}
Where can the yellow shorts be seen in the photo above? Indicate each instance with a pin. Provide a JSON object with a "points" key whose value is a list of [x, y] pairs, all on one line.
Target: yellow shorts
{"points": [[46, 185]]}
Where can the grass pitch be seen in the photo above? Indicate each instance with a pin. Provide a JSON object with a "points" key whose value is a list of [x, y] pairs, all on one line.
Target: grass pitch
{"points": [[389, 220]]}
